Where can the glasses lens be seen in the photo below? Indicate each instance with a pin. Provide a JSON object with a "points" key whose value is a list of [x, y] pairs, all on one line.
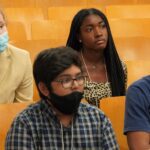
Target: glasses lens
{"points": [[67, 83], [80, 80]]}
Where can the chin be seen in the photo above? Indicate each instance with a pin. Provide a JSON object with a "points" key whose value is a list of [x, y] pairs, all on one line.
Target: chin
{"points": [[99, 46], [99, 49]]}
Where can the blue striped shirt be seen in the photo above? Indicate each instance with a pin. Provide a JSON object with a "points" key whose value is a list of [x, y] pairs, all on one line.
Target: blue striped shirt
{"points": [[37, 128]]}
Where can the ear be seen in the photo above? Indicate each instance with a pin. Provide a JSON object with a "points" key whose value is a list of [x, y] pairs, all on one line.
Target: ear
{"points": [[80, 41], [43, 89], [79, 38]]}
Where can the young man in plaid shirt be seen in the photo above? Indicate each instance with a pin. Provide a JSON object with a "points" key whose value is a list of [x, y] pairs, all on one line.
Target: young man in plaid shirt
{"points": [[59, 121]]}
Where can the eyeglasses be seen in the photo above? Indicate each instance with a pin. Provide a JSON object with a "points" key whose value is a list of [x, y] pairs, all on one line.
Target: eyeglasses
{"points": [[68, 81]]}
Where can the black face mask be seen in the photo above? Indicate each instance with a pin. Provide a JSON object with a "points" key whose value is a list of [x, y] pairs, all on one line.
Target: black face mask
{"points": [[67, 104]]}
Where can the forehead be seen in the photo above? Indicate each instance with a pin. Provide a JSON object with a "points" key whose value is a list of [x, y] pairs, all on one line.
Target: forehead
{"points": [[71, 71], [91, 20], [1, 18]]}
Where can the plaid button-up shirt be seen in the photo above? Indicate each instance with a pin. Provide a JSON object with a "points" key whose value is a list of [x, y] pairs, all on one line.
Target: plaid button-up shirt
{"points": [[37, 128]]}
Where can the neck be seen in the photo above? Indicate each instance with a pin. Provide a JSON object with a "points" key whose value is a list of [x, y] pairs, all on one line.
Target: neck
{"points": [[64, 119], [98, 64], [93, 57]]}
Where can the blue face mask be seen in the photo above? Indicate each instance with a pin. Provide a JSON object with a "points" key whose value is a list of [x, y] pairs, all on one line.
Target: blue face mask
{"points": [[3, 41]]}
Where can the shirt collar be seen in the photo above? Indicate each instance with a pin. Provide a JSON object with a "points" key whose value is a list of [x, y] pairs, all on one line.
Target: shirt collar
{"points": [[50, 113]]}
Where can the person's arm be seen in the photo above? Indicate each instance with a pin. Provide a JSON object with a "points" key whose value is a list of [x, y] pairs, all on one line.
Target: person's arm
{"points": [[137, 124], [25, 90], [138, 140], [18, 137]]}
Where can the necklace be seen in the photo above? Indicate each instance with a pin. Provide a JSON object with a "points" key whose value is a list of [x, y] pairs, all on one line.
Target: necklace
{"points": [[62, 138], [94, 67]]}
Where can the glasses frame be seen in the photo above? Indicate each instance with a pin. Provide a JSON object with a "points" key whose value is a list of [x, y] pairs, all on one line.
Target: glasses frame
{"points": [[72, 81]]}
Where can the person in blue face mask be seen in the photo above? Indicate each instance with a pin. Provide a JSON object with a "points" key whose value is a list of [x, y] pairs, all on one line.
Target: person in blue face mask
{"points": [[3, 41], [16, 81], [59, 121]]}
